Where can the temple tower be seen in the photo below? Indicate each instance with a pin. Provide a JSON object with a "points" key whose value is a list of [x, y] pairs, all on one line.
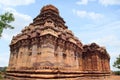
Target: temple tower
{"points": [[47, 49]]}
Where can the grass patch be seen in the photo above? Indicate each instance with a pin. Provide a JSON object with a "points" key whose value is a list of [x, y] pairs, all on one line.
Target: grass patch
{"points": [[1, 76]]}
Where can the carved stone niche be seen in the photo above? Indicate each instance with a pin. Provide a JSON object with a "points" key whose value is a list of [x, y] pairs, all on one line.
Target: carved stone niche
{"points": [[49, 22], [64, 55], [61, 43], [47, 39]]}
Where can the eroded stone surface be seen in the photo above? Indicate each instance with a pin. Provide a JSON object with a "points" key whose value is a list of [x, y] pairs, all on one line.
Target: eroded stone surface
{"points": [[47, 49]]}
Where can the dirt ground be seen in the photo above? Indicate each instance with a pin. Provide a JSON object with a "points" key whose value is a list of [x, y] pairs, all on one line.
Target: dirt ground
{"points": [[113, 77]]}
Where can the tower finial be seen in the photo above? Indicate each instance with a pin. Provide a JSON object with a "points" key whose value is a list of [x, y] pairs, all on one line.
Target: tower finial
{"points": [[50, 7]]}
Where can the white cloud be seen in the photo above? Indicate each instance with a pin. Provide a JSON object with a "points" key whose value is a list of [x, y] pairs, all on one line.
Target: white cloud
{"points": [[95, 16], [91, 15], [82, 2], [80, 13], [108, 40], [103, 2], [108, 34], [21, 20], [16, 2], [109, 2], [6, 36]]}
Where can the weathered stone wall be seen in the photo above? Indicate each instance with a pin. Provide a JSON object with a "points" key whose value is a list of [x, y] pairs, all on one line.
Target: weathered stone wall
{"points": [[46, 49], [95, 58]]}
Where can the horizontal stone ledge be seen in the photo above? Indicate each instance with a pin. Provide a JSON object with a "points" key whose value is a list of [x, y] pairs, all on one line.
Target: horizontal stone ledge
{"points": [[52, 76], [56, 71], [43, 76]]}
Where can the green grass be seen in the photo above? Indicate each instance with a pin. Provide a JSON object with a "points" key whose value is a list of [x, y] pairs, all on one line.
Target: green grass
{"points": [[1, 77]]}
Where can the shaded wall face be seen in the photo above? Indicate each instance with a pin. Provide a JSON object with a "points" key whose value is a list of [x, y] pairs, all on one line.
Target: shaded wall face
{"points": [[95, 61], [50, 51], [47, 52], [55, 54]]}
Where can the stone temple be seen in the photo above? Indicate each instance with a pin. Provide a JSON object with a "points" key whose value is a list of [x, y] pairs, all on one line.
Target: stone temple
{"points": [[47, 49]]}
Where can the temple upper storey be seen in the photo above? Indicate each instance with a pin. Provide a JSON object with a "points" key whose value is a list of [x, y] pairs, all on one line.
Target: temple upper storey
{"points": [[49, 14], [48, 21]]}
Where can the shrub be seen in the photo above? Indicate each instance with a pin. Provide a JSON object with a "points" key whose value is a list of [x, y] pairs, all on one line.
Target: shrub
{"points": [[116, 72], [1, 76]]}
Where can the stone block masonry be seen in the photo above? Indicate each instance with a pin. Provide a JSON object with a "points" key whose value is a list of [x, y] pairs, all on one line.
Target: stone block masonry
{"points": [[47, 49]]}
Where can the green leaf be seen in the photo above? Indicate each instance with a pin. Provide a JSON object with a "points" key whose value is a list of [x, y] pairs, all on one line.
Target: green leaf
{"points": [[117, 62], [5, 20]]}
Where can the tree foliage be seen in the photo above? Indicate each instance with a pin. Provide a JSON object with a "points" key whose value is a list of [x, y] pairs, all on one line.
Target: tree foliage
{"points": [[4, 69], [117, 62], [5, 20]]}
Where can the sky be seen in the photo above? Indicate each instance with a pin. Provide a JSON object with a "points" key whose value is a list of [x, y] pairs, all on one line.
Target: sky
{"points": [[90, 20]]}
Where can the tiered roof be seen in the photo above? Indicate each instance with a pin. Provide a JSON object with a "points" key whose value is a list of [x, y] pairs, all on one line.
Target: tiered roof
{"points": [[47, 22]]}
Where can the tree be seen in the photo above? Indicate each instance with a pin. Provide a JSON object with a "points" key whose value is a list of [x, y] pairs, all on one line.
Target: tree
{"points": [[117, 62], [5, 20], [4, 69]]}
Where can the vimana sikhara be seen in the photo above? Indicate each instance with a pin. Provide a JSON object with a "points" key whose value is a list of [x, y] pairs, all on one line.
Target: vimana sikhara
{"points": [[47, 49]]}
